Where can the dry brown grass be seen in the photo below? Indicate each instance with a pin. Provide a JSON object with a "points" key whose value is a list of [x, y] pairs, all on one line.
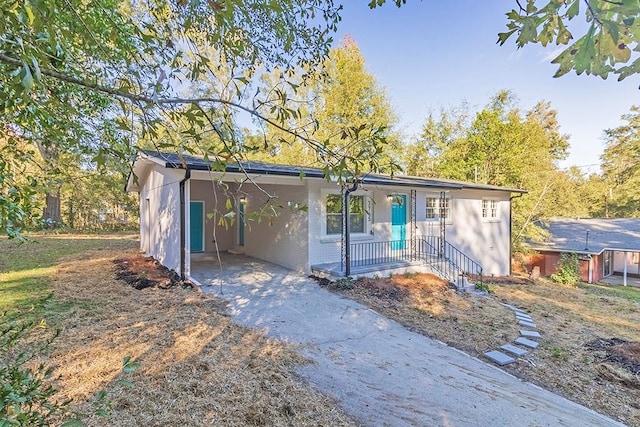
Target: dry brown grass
{"points": [[196, 366], [426, 304], [570, 319]]}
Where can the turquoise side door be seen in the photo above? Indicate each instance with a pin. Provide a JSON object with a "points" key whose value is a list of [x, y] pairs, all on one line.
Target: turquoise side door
{"points": [[398, 222], [196, 226]]}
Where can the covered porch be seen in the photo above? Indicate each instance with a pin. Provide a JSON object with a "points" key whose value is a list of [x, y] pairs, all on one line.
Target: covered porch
{"points": [[428, 254]]}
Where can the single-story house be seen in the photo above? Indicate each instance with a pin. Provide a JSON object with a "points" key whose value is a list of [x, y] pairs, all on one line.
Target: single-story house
{"points": [[293, 217], [604, 247]]}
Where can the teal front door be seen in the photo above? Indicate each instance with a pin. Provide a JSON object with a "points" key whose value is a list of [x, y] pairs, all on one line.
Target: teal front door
{"points": [[398, 222], [196, 226]]}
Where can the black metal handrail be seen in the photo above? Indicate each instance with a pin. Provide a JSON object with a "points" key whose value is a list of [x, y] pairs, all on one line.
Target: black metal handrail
{"points": [[450, 261]]}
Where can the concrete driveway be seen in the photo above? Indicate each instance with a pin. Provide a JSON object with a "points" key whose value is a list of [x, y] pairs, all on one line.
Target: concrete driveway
{"points": [[382, 373]]}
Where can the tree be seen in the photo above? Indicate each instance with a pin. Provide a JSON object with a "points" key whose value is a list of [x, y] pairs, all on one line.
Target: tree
{"points": [[621, 167], [610, 44], [345, 109], [501, 146], [71, 70], [422, 158]]}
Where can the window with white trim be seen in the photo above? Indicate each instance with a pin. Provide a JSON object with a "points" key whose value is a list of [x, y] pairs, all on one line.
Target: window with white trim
{"points": [[438, 208], [357, 214], [490, 209]]}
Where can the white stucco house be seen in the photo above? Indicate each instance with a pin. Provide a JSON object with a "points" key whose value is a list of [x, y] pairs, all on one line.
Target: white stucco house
{"points": [[293, 217]]}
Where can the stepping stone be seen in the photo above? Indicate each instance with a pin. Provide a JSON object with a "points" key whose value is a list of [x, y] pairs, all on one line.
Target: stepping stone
{"points": [[514, 350], [530, 334], [520, 311], [499, 357], [527, 343], [523, 316], [526, 324]]}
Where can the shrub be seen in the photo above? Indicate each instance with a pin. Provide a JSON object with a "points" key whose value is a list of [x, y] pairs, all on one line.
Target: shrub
{"points": [[26, 392], [27, 395], [567, 270]]}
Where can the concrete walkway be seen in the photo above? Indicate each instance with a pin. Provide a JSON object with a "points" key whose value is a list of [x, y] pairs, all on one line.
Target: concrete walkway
{"points": [[382, 373]]}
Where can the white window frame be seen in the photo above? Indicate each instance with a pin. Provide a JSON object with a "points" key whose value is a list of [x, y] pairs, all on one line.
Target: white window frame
{"points": [[437, 209], [368, 207], [490, 209]]}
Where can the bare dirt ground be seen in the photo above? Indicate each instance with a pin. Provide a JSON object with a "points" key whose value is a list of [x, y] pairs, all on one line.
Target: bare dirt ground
{"points": [[196, 367], [590, 351]]}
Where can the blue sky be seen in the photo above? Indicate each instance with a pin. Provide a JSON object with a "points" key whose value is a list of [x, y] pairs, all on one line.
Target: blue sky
{"points": [[432, 53]]}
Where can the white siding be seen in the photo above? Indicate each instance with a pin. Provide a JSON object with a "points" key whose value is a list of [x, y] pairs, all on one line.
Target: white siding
{"points": [[486, 241], [160, 217], [323, 248], [282, 239]]}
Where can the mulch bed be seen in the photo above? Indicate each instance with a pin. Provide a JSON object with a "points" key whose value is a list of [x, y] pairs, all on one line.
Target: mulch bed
{"points": [[623, 353], [145, 272]]}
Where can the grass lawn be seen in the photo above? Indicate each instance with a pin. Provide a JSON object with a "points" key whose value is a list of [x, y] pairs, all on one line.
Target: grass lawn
{"points": [[195, 366], [27, 268]]}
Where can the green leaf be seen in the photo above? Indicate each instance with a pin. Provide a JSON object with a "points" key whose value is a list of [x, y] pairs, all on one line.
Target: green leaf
{"points": [[36, 69], [586, 52], [29, 13], [573, 10], [502, 37], [27, 78], [72, 423]]}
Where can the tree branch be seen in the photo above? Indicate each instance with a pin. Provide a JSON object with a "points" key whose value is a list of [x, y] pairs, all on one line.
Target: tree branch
{"points": [[167, 101]]}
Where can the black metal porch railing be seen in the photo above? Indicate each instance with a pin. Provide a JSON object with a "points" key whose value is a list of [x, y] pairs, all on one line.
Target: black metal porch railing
{"points": [[385, 252], [442, 256]]}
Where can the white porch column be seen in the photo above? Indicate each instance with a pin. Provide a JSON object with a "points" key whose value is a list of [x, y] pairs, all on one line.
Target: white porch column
{"points": [[624, 280]]}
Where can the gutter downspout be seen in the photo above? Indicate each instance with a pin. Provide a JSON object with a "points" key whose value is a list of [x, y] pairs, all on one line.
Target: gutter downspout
{"points": [[183, 221], [511, 231]]}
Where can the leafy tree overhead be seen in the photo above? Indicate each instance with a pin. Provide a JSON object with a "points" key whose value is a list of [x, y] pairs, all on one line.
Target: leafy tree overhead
{"points": [[97, 78], [73, 72]]}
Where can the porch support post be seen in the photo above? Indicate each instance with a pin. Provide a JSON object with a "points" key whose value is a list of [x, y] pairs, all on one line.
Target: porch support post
{"points": [[346, 229], [183, 222], [414, 225], [443, 211], [624, 280]]}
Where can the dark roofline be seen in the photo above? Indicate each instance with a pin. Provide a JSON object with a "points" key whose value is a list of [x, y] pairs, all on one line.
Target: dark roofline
{"points": [[172, 161]]}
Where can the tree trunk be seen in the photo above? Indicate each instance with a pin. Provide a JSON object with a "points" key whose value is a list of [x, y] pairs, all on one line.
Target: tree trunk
{"points": [[51, 211], [71, 221]]}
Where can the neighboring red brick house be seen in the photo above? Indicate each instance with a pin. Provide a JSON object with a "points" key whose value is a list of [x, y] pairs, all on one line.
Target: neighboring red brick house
{"points": [[604, 247]]}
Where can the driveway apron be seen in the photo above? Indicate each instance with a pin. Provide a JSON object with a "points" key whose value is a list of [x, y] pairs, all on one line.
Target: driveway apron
{"points": [[382, 373]]}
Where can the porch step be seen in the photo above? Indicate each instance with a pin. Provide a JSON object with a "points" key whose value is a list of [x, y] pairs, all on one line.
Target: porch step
{"points": [[238, 250]]}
